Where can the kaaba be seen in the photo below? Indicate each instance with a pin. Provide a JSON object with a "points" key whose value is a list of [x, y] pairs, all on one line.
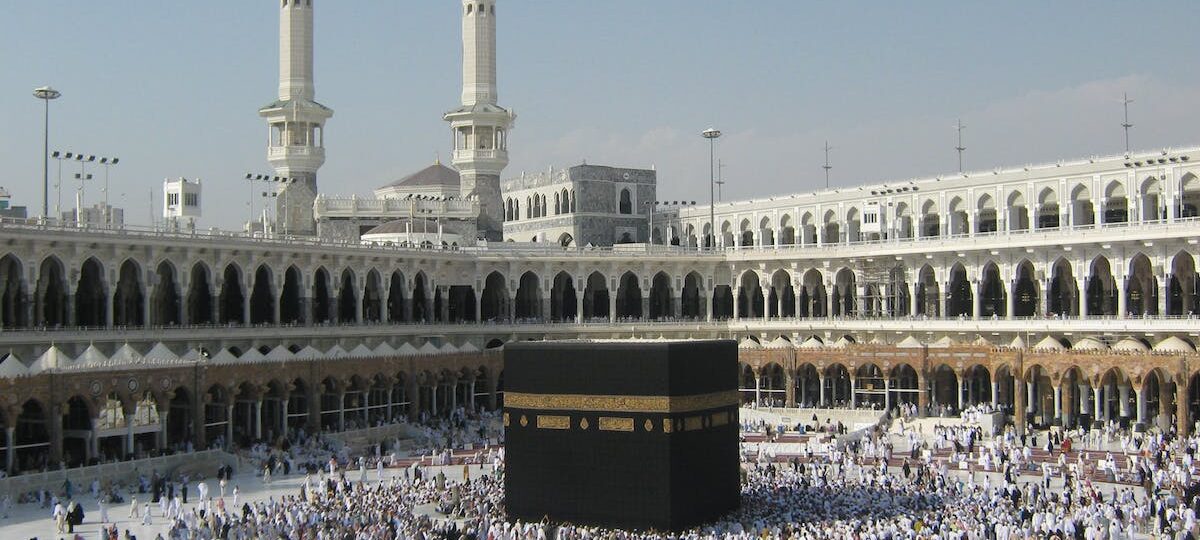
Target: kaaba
{"points": [[626, 435]]}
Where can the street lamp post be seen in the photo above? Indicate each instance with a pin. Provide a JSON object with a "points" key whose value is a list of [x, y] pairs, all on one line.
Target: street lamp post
{"points": [[46, 94], [60, 157], [107, 162], [82, 176], [712, 134]]}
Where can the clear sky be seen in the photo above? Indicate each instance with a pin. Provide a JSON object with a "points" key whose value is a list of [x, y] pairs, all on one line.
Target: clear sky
{"points": [[173, 88]]}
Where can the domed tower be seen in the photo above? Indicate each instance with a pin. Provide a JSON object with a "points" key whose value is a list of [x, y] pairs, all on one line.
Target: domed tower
{"points": [[296, 144], [481, 126]]}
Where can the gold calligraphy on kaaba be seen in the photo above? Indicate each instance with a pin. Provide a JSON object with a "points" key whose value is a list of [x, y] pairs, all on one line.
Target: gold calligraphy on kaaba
{"points": [[617, 403], [546, 421], [610, 423]]}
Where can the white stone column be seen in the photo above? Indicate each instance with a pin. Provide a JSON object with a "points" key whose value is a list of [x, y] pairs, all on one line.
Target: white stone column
{"points": [[258, 419], [757, 390], [229, 426], [821, 389], [433, 400], [961, 385], [887, 393], [995, 394], [1030, 397], [1058, 408], [853, 392], [1123, 392], [10, 435], [1097, 403], [283, 418], [1140, 396]]}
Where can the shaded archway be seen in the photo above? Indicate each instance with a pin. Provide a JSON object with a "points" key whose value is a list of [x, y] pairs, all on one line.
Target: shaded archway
{"points": [[164, 301], [422, 309], [348, 307], [12, 296], [1101, 288], [691, 305], [52, 294], [291, 310], [91, 298], [750, 296], [928, 299], [322, 303], [992, 297], [262, 297], [845, 287], [1181, 294], [1141, 288], [629, 297], [1063, 296], [563, 301], [812, 295], [595, 297], [372, 300], [180, 429], [781, 301], [959, 302], [529, 297], [836, 388], [199, 299], [493, 304], [128, 296], [661, 297], [31, 440], [870, 391], [232, 299], [396, 285], [216, 417], [1025, 291]]}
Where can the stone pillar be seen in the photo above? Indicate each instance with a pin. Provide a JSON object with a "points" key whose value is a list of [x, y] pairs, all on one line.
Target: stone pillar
{"points": [[444, 316], [1108, 393], [977, 300], [1097, 403], [1081, 298], [129, 436], [89, 446], [1164, 416], [1123, 392], [829, 301], [757, 390], [1019, 389], [283, 418], [471, 395], [229, 426], [407, 308], [1083, 398], [10, 435], [709, 316], [962, 383], [737, 308], [56, 434], [1183, 421], [943, 299], [645, 305], [853, 392], [612, 308], [887, 394], [258, 431], [1121, 300], [922, 395], [912, 300], [1140, 398], [1029, 390], [766, 303], [1163, 292], [1010, 299], [579, 306], [1058, 404], [215, 304], [342, 410], [995, 394], [384, 317], [789, 389], [433, 400], [246, 303], [821, 388]]}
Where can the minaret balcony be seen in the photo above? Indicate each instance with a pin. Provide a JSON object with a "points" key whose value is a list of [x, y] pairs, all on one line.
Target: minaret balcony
{"points": [[480, 154], [287, 152]]}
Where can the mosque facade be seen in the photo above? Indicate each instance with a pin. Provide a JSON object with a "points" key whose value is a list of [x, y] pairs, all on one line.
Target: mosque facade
{"points": [[1066, 292]]}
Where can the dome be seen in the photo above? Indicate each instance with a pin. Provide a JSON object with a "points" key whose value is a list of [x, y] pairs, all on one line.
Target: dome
{"points": [[780, 343], [1174, 344], [748, 343], [812, 343], [433, 175], [1049, 343], [1089, 344], [1130, 345], [945, 341], [1017, 343], [981, 342], [910, 342]]}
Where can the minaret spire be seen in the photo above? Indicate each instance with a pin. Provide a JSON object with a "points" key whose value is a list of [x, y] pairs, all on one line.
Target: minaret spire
{"points": [[481, 126], [296, 123]]}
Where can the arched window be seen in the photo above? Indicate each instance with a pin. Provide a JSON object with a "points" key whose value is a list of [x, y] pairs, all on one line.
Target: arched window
{"points": [[529, 208], [626, 202], [557, 204]]}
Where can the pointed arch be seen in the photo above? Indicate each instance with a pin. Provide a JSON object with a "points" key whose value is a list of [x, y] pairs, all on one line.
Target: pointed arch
{"points": [[595, 297], [232, 300], [629, 297], [52, 293], [662, 298], [262, 297], [290, 306], [165, 302], [200, 295]]}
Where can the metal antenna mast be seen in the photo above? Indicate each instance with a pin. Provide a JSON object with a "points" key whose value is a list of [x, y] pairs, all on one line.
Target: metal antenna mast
{"points": [[827, 166], [959, 127], [1126, 101], [720, 178]]}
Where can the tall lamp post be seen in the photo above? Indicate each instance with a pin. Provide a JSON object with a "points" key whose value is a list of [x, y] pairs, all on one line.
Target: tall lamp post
{"points": [[712, 134], [46, 94], [107, 162]]}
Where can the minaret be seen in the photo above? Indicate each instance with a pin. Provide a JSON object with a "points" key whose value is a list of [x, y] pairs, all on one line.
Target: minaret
{"points": [[296, 134], [481, 126]]}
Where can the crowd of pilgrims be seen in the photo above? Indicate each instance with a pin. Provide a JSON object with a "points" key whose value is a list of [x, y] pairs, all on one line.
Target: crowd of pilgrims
{"points": [[830, 491]]}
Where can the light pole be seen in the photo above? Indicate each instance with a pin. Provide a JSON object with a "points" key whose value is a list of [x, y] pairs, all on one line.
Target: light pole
{"points": [[107, 162], [82, 176], [46, 94], [59, 156], [712, 134], [650, 231]]}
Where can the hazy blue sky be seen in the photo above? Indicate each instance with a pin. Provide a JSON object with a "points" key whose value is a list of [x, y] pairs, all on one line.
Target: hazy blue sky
{"points": [[172, 88]]}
